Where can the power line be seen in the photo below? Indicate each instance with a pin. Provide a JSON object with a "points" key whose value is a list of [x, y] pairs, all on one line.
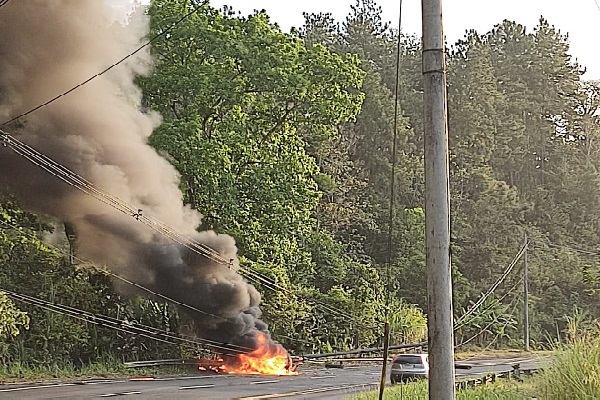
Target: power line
{"points": [[3, 2], [120, 325], [458, 326], [265, 281], [573, 249], [513, 304], [71, 178], [394, 161], [162, 32], [597, 4], [122, 279], [494, 286], [137, 285]]}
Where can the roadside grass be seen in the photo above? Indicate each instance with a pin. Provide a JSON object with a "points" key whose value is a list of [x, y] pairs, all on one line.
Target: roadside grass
{"points": [[502, 390], [21, 373], [574, 372], [414, 390]]}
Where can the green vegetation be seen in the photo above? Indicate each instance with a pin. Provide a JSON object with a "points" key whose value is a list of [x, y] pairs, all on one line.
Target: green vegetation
{"points": [[104, 369], [11, 318], [573, 374], [505, 390], [284, 140]]}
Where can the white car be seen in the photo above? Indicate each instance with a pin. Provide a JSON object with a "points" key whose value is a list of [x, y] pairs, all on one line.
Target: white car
{"points": [[407, 367]]}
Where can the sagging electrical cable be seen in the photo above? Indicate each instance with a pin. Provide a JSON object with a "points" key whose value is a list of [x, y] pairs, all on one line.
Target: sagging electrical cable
{"points": [[121, 325], [162, 32], [458, 326], [513, 304], [75, 180], [125, 280], [491, 290]]}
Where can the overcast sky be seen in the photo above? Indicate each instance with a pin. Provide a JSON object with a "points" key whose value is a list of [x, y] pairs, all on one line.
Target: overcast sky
{"points": [[579, 18]]}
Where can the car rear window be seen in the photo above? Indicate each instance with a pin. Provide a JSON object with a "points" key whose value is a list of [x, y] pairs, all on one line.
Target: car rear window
{"points": [[416, 360]]}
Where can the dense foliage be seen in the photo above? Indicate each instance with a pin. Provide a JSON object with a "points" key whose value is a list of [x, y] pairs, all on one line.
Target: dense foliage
{"points": [[284, 141]]}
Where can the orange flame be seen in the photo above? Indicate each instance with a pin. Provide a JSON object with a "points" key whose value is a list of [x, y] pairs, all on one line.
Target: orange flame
{"points": [[267, 359]]}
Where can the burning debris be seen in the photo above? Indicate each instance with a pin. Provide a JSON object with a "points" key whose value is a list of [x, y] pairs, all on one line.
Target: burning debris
{"points": [[267, 359], [96, 131]]}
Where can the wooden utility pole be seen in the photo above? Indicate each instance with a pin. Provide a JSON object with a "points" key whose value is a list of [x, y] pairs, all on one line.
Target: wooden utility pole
{"points": [[386, 347], [525, 296], [437, 207]]}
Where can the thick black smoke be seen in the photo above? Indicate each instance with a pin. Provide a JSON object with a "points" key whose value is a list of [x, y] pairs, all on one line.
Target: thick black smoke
{"points": [[47, 47]]}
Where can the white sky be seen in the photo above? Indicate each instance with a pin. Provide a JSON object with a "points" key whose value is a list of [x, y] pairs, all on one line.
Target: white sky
{"points": [[579, 18]]}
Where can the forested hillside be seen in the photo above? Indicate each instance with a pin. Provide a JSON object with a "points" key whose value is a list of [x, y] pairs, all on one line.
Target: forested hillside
{"points": [[284, 141]]}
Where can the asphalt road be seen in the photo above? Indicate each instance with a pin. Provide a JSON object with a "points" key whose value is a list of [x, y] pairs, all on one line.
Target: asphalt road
{"points": [[313, 382]]}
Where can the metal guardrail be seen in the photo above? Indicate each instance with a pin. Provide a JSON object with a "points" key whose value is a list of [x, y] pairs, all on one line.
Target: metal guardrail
{"points": [[516, 374]]}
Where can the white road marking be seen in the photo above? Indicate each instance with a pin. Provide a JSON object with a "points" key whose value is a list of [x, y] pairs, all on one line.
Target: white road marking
{"points": [[322, 377], [263, 382], [37, 387], [118, 394], [100, 382], [196, 387]]}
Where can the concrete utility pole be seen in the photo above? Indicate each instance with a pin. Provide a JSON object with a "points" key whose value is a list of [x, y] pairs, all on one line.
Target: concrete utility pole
{"points": [[437, 207], [525, 296]]}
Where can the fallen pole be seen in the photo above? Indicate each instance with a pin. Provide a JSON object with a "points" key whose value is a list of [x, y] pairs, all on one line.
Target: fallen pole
{"points": [[366, 350]]}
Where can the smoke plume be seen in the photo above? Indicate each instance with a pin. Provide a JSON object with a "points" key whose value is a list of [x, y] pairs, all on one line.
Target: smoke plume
{"points": [[47, 47]]}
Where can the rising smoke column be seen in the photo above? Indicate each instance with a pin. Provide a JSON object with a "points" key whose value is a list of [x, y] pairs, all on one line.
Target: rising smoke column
{"points": [[47, 47]]}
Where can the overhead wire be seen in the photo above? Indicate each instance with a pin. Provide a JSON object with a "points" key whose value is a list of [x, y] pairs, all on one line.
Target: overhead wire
{"points": [[141, 287], [513, 304], [573, 249], [80, 183], [462, 321], [491, 290], [162, 33], [121, 325], [274, 286], [392, 202], [118, 277], [3, 3], [125, 280], [489, 307], [71, 178]]}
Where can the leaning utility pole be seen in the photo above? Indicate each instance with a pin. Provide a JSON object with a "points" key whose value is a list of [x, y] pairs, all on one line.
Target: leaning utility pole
{"points": [[437, 207], [526, 296]]}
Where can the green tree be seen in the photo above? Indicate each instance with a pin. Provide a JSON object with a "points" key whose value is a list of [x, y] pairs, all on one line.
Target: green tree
{"points": [[12, 320], [246, 108]]}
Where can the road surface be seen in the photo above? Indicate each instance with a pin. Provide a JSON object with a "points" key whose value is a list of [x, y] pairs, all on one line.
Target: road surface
{"points": [[312, 383]]}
